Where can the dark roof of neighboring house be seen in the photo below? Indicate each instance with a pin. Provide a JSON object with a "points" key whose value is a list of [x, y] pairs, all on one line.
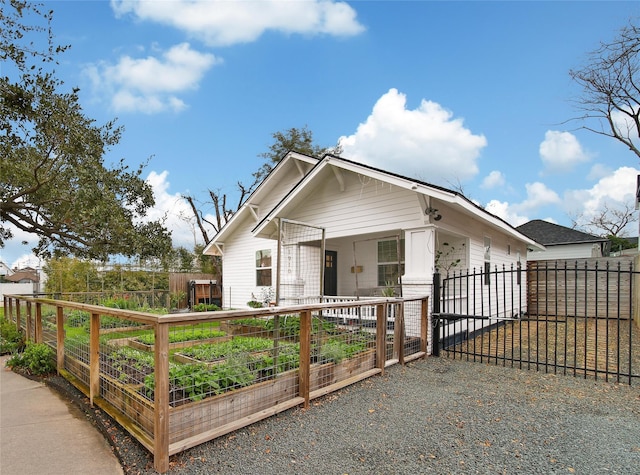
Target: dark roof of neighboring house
{"points": [[551, 234], [23, 274]]}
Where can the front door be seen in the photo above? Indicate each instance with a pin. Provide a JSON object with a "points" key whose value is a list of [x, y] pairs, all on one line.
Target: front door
{"points": [[330, 273]]}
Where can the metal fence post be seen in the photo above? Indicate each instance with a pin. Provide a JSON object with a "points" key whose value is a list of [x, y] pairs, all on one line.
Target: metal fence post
{"points": [[436, 315]]}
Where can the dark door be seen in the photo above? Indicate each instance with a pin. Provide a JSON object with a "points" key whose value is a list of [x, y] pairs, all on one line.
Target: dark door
{"points": [[330, 273]]}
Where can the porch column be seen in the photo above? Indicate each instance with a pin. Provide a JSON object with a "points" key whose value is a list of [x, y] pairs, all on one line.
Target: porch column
{"points": [[418, 274], [419, 258]]}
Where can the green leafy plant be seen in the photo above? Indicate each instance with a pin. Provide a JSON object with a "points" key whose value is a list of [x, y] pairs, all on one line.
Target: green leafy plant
{"points": [[11, 338], [186, 335], [205, 307], [175, 298], [389, 290], [199, 381], [215, 351], [335, 350], [445, 257], [37, 358], [77, 318]]}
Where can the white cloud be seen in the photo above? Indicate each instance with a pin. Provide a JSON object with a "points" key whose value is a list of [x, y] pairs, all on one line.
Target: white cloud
{"points": [[616, 189], [426, 142], [178, 214], [538, 196], [561, 151], [598, 171], [151, 84], [224, 23], [504, 210], [493, 180]]}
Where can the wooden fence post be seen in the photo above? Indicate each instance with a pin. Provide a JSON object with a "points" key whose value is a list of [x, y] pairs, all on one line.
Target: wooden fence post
{"points": [[60, 337], [424, 325], [398, 333], [161, 399], [304, 370], [381, 336], [18, 322], [29, 328], [38, 329], [94, 357]]}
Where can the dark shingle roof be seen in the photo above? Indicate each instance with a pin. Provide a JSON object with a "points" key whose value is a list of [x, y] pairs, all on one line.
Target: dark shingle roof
{"points": [[551, 234]]}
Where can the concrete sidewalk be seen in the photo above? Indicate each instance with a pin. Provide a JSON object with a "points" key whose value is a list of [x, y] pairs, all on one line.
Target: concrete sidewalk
{"points": [[41, 433]]}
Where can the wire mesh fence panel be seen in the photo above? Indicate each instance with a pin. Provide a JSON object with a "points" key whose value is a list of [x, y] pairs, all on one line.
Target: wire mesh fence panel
{"points": [[251, 368], [300, 262]]}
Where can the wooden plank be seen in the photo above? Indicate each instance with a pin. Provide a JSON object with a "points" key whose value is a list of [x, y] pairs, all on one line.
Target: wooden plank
{"points": [[38, 334], [235, 425], [424, 325], [381, 336], [305, 356], [161, 399], [29, 322], [94, 357], [197, 417], [18, 314], [60, 338]]}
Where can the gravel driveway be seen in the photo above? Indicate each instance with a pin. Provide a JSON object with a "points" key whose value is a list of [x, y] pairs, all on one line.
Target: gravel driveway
{"points": [[432, 416]]}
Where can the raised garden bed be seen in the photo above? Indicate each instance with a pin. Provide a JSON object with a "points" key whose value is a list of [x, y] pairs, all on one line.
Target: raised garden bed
{"points": [[179, 340]]}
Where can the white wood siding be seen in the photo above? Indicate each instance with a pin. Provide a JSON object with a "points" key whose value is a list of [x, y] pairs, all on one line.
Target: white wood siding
{"points": [[239, 266], [566, 251], [365, 206]]}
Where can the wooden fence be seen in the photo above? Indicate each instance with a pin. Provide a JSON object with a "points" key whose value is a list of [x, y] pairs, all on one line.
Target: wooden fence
{"points": [[165, 379], [587, 287]]}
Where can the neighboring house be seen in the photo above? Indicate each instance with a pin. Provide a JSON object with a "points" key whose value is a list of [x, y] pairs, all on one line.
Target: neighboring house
{"points": [[24, 276], [561, 242], [20, 282], [347, 229], [5, 271]]}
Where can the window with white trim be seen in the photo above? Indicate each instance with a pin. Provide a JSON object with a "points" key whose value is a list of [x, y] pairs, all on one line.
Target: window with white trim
{"points": [[390, 268], [263, 268]]}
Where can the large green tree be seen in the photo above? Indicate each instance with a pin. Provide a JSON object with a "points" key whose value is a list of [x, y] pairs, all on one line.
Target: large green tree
{"points": [[294, 139], [54, 182]]}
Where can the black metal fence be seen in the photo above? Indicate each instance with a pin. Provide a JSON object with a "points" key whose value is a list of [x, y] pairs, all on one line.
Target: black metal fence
{"points": [[571, 318]]}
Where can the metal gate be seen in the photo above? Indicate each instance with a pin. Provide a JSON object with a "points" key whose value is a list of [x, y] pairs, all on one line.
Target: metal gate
{"points": [[569, 318]]}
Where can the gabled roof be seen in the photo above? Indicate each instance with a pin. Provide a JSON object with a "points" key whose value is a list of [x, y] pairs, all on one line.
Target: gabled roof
{"points": [[291, 159], [551, 234], [23, 274], [266, 227]]}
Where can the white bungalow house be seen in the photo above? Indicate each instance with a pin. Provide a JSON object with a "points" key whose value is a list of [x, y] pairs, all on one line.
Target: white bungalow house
{"points": [[333, 227]]}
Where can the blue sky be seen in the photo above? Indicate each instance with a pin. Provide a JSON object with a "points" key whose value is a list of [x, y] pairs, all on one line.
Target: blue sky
{"points": [[474, 95]]}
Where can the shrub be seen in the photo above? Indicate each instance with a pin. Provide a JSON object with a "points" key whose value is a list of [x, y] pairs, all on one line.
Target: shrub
{"points": [[11, 338], [205, 307], [37, 358]]}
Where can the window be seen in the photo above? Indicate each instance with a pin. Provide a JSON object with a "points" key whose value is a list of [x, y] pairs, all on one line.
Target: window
{"points": [[263, 268], [487, 259], [389, 270]]}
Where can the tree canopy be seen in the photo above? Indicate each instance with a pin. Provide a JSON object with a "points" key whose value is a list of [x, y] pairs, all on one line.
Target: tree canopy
{"points": [[54, 181]]}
